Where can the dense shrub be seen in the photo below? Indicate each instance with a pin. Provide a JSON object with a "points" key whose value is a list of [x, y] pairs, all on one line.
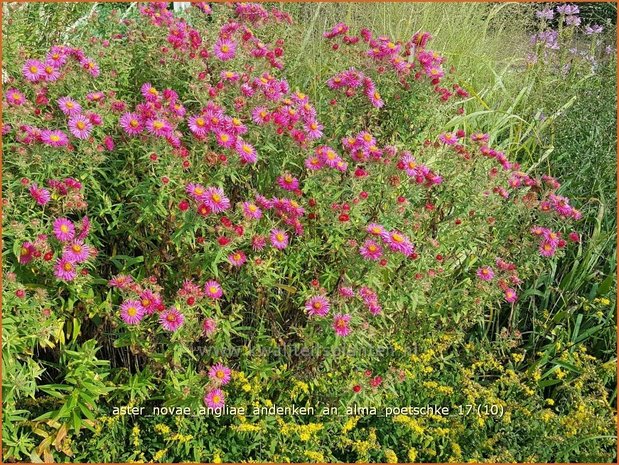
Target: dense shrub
{"points": [[182, 217]]}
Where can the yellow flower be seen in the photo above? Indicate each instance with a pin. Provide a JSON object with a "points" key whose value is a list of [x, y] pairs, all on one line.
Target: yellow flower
{"points": [[157, 456], [315, 456], [412, 455], [390, 456]]}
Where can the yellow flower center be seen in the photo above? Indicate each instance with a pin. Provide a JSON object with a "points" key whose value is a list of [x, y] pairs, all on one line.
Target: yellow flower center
{"points": [[67, 266], [55, 138], [132, 311], [76, 248]]}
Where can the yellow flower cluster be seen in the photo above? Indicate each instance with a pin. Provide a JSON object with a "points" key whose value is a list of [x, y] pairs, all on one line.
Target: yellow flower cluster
{"points": [[304, 432], [315, 456]]}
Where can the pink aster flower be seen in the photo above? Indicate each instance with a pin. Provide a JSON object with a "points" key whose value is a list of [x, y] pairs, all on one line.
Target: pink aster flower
{"points": [[69, 106], [54, 138], [120, 281], [80, 126], [14, 97], [220, 374], [213, 290], [288, 182], [225, 139], [131, 123], [251, 211], [132, 312], [225, 49], [279, 239], [33, 70], [246, 152], [39, 194], [346, 292], [237, 258], [198, 125], [171, 319], [448, 138], [196, 191], [64, 230], [485, 273], [76, 252], [159, 127], [216, 200], [317, 306], [50, 72], [26, 253], [149, 93], [150, 301], [215, 399], [547, 249], [341, 324], [510, 295], [398, 242], [65, 270], [209, 326], [375, 229], [370, 250]]}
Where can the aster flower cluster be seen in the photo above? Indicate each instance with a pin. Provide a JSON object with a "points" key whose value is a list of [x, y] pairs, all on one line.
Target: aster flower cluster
{"points": [[71, 241], [394, 240], [144, 299], [507, 278], [418, 172], [351, 80], [319, 306], [50, 70], [258, 16], [159, 115]]}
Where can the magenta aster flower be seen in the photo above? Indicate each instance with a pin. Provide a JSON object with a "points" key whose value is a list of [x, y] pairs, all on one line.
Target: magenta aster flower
{"points": [[251, 211], [209, 326], [510, 295], [69, 106], [54, 138], [64, 230], [341, 324], [14, 97], [131, 123], [279, 239], [288, 182], [171, 319], [132, 312], [398, 242], [76, 252], [149, 93], [370, 250], [237, 258], [33, 70], [80, 126], [245, 151], [220, 374], [346, 292], [485, 273], [149, 301], [547, 249], [198, 125], [215, 399], [216, 200], [65, 270], [26, 253], [196, 191], [375, 229], [120, 281], [317, 306], [225, 49], [225, 139], [158, 127], [50, 72], [213, 290], [448, 138], [40, 195]]}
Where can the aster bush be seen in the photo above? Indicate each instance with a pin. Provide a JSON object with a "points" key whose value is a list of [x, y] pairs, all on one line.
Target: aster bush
{"points": [[181, 210]]}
